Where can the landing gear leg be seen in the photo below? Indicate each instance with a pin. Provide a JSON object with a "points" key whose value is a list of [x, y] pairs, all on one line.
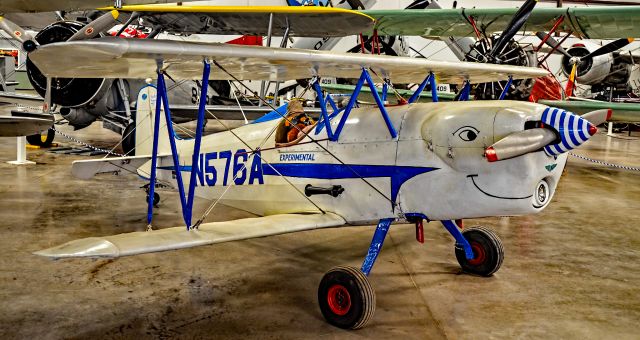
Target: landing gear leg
{"points": [[478, 250], [345, 295]]}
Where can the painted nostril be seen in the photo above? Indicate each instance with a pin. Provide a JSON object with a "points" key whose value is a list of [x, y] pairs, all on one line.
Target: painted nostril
{"points": [[592, 129]]}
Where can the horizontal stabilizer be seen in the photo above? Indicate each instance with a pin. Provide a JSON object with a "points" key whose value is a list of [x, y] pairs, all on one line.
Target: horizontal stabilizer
{"points": [[23, 126], [89, 168], [178, 238]]}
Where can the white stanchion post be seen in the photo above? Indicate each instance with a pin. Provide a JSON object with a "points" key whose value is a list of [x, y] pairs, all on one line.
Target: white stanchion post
{"points": [[21, 152], [610, 129]]}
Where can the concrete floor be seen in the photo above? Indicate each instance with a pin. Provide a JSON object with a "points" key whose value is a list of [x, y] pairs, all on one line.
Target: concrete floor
{"points": [[572, 271]]}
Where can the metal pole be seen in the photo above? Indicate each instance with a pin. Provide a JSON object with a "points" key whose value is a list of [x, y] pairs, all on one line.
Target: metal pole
{"points": [[125, 98], [269, 34], [283, 44], [21, 157]]}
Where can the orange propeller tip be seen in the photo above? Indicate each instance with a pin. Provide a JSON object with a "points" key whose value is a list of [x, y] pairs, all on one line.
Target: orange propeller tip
{"points": [[631, 39], [592, 129]]}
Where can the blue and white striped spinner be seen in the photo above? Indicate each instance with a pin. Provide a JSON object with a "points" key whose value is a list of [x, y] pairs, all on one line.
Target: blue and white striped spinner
{"points": [[572, 129]]}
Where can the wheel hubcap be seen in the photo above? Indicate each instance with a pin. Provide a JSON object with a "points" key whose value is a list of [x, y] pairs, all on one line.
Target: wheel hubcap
{"points": [[339, 299], [479, 253]]}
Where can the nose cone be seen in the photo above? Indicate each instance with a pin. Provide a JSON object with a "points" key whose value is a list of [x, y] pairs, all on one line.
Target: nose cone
{"points": [[572, 130]]}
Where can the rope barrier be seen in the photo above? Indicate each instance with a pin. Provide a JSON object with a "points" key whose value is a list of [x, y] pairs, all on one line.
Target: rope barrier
{"points": [[75, 140], [611, 165]]}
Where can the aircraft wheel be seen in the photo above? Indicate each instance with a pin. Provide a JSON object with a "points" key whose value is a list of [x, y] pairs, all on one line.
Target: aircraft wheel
{"points": [[487, 249], [346, 298], [43, 139], [156, 199]]}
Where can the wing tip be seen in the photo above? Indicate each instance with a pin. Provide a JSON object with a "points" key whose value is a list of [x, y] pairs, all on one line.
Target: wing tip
{"points": [[93, 247]]}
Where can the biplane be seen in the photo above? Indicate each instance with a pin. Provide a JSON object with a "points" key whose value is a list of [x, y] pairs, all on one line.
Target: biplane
{"points": [[413, 162]]}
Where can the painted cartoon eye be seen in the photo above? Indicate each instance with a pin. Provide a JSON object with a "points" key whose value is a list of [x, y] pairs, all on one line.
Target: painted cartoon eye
{"points": [[467, 133]]}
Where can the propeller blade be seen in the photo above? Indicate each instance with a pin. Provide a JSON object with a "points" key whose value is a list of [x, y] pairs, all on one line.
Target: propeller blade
{"points": [[418, 4], [598, 117], [14, 30], [520, 143], [514, 26], [610, 47], [94, 28], [551, 42], [571, 82]]}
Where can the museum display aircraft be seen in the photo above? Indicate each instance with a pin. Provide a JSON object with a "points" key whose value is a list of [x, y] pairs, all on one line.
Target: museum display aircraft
{"points": [[413, 162]]}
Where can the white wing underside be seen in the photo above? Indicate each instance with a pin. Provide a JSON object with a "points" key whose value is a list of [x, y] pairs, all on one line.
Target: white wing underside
{"points": [[178, 238], [137, 58]]}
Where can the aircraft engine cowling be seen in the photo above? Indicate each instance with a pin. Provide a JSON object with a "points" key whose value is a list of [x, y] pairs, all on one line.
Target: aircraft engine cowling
{"points": [[66, 92], [591, 70]]}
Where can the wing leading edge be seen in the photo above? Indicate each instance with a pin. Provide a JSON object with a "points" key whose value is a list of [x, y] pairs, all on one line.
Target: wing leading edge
{"points": [[133, 58], [179, 238]]}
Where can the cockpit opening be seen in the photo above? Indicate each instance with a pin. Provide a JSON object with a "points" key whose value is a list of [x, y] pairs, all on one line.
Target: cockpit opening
{"points": [[295, 126]]}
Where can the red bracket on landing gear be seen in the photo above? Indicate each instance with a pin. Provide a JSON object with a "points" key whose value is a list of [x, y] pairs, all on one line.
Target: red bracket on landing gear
{"points": [[420, 231], [460, 223]]}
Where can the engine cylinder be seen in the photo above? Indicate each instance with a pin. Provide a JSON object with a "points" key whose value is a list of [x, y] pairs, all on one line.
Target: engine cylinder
{"points": [[67, 92]]}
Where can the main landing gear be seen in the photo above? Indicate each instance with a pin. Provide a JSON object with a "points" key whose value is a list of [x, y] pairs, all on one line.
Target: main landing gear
{"points": [[156, 196], [346, 297]]}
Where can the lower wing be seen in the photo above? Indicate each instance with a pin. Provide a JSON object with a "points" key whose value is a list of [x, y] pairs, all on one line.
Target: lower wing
{"points": [[178, 238]]}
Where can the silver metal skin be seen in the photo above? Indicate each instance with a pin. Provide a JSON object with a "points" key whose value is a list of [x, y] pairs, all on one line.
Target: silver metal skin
{"points": [[523, 142], [101, 24], [14, 30], [598, 117]]}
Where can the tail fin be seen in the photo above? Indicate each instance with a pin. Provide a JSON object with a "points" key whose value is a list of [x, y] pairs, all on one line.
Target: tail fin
{"points": [[145, 116]]}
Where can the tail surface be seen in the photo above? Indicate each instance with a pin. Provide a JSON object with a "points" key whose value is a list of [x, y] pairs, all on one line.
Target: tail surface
{"points": [[145, 121]]}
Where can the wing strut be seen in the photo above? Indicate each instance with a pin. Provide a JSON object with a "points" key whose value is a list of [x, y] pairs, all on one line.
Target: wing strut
{"points": [[162, 100], [465, 92], [506, 88], [365, 76], [325, 116]]}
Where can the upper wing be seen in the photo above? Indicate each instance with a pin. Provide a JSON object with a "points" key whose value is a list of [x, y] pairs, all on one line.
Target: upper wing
{"points": [[13, 6], [133, 58], [178, 238], [308, 21], [622, 112], [589, 22]]}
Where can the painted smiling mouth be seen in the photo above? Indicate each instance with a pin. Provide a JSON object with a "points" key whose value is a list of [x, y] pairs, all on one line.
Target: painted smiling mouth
{"points": [[495, 196]]}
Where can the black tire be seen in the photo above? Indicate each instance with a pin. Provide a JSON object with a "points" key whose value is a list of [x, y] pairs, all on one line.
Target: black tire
{"points": [[44, 139], [346, 298], [129, 140], [487, 249], [156, 199]]}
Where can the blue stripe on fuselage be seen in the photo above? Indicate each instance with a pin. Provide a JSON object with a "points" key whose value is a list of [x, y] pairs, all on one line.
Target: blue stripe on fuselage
{"points": [[398, 174]]}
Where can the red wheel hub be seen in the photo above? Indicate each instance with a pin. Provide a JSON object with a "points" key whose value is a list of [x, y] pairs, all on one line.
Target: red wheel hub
{"points": [[339, 299], [479, 253]]}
